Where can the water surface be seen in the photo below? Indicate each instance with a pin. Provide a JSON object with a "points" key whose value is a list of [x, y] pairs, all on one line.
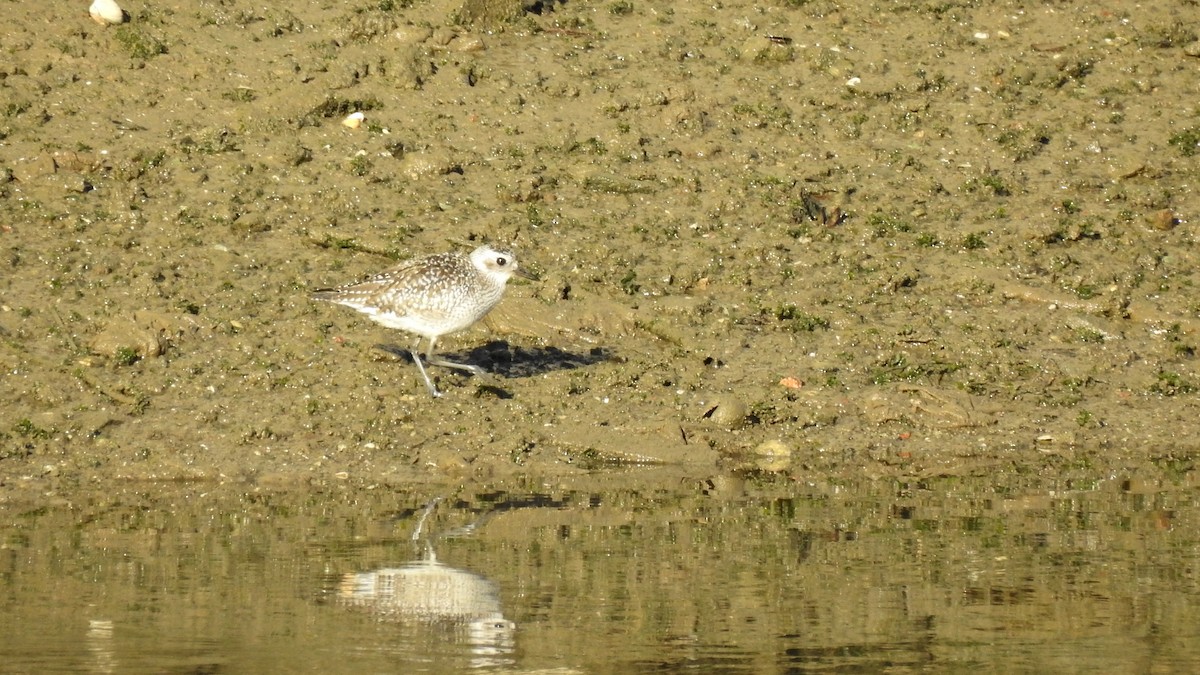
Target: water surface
{"points": [[708, 575]]}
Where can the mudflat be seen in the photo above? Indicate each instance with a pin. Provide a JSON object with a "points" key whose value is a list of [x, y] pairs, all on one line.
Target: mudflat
{"points": [[790, 240]]}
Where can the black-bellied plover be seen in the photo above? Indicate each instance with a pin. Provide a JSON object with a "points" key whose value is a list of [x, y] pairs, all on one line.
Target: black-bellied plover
{"points": [[432, 296]]}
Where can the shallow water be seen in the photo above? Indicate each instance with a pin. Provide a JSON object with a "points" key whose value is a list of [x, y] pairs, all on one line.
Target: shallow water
{"points": [[1028, 574]]}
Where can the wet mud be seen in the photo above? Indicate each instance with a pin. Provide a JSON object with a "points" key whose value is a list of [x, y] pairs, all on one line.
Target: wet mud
{"points": [[784, 240]]}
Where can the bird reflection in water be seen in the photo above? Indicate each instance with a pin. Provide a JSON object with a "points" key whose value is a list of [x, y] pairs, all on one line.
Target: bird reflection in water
{"points": [[427, 592]]}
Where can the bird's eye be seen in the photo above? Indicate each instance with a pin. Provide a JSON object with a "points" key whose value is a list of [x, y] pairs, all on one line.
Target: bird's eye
{"points": [[502, 261]]}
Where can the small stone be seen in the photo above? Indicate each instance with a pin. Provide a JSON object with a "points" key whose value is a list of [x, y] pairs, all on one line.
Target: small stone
{"points": [[1163, 220], [125, 340], [420, 165], [412, 35], [107, 12], [726, 411], [468, 43]]}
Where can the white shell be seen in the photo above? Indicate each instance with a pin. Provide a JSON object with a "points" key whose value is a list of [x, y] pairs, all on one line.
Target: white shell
{"points": [[354, 120], [106, 12]]}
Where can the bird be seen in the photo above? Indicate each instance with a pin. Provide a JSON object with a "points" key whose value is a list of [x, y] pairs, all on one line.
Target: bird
{"points": [[432, 296]]}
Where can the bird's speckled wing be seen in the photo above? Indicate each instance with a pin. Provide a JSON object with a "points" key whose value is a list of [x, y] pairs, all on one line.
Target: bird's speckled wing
{"points": [[422, 286]]}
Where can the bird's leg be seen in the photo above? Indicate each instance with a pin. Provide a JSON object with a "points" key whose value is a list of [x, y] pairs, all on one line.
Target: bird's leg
{"points": [[474, 370], [416, 356], [429, 357]]}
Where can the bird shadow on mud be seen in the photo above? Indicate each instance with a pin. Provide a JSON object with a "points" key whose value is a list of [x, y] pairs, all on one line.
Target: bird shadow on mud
{"points": [[503, 360]]}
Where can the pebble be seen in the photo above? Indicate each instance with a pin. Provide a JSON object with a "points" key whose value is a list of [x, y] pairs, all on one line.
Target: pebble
{"points": [[107, 12], [726, 411], [469, 43], [1164, 219], [412, 35], [419, 165], [121, 336]]}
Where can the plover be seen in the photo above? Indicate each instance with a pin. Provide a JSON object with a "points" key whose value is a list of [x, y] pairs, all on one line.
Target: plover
{"points": [[432, 296]]}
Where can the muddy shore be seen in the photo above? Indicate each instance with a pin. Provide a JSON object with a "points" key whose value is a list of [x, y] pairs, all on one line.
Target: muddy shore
{"points": [[789, 240]]}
